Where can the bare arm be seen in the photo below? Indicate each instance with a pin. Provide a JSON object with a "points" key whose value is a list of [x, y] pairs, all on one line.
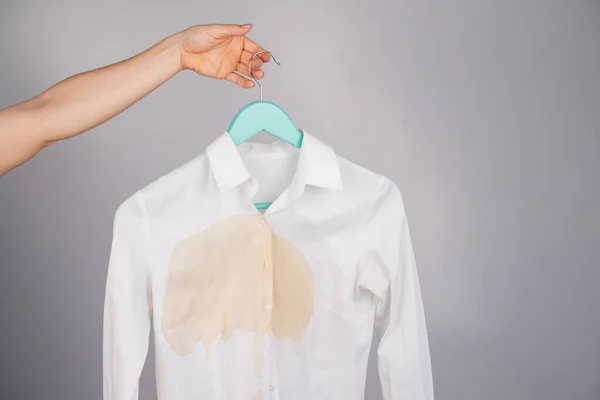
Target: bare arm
{"points": [[86, 100]]}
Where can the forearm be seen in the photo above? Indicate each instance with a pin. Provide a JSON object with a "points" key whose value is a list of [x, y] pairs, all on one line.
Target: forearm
{"points": [[83, 101]]}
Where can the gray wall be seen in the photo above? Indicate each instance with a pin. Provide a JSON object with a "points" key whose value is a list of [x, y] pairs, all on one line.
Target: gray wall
{"points": [[485, 113]]}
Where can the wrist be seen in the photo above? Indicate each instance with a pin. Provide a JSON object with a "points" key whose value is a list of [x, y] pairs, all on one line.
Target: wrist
{"points": [[171, 50]]}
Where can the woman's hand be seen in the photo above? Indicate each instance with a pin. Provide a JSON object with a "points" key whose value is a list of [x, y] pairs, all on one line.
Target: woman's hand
{"points": [[221, 52], [88, 99]]}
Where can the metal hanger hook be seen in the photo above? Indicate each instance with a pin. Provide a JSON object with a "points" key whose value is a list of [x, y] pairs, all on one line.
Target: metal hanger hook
{"points": [[250, 68]]}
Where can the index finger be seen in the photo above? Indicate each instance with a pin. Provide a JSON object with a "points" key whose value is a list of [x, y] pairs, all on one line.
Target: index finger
{"points": [[252, 47]]}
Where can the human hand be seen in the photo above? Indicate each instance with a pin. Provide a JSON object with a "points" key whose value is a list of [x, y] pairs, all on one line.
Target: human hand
{"points": [[219, 51]]}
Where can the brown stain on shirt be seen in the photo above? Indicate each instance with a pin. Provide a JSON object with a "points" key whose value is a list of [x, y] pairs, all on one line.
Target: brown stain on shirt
{"points": [[236, 276], [293, 288]]}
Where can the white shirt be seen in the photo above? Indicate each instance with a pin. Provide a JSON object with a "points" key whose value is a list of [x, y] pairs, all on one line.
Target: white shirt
{"points": [[280, 305]]}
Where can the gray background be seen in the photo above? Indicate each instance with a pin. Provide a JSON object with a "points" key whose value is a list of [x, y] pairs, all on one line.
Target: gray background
{"points": [[485, 113]]}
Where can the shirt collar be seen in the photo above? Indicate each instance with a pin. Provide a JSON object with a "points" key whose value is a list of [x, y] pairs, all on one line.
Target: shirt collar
{"points": [[317, 164]]}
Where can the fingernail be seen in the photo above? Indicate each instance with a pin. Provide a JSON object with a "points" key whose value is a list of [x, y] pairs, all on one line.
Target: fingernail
{"points": [[247, 26]]}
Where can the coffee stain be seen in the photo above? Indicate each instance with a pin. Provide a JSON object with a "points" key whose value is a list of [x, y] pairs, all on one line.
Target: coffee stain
{"points": [[236, 276], [293, 282]]}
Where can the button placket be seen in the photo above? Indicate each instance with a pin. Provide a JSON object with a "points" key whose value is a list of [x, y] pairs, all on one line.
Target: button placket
{"points": [[273, 380], [268, 271], [268, 300]]}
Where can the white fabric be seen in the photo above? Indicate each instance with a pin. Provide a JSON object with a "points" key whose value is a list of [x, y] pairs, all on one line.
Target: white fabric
{"points": [[347, 224]]}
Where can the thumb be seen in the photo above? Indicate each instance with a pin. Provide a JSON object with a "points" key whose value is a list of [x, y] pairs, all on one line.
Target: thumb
{"points": [[227, 30]]}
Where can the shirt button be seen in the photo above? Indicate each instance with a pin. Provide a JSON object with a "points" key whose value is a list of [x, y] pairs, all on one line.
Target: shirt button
{"points": [[271, 388], [262, 223]]}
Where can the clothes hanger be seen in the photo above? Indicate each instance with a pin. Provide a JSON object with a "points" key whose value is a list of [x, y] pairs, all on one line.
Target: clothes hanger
{"points": [[265, 116]]}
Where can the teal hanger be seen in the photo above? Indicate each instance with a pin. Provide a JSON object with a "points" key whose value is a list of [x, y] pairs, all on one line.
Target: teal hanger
{"points": [[265, 116]]}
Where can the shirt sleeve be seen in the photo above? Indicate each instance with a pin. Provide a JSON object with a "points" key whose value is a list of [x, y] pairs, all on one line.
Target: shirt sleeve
{"points": [[403, 357], [127, 305]]}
